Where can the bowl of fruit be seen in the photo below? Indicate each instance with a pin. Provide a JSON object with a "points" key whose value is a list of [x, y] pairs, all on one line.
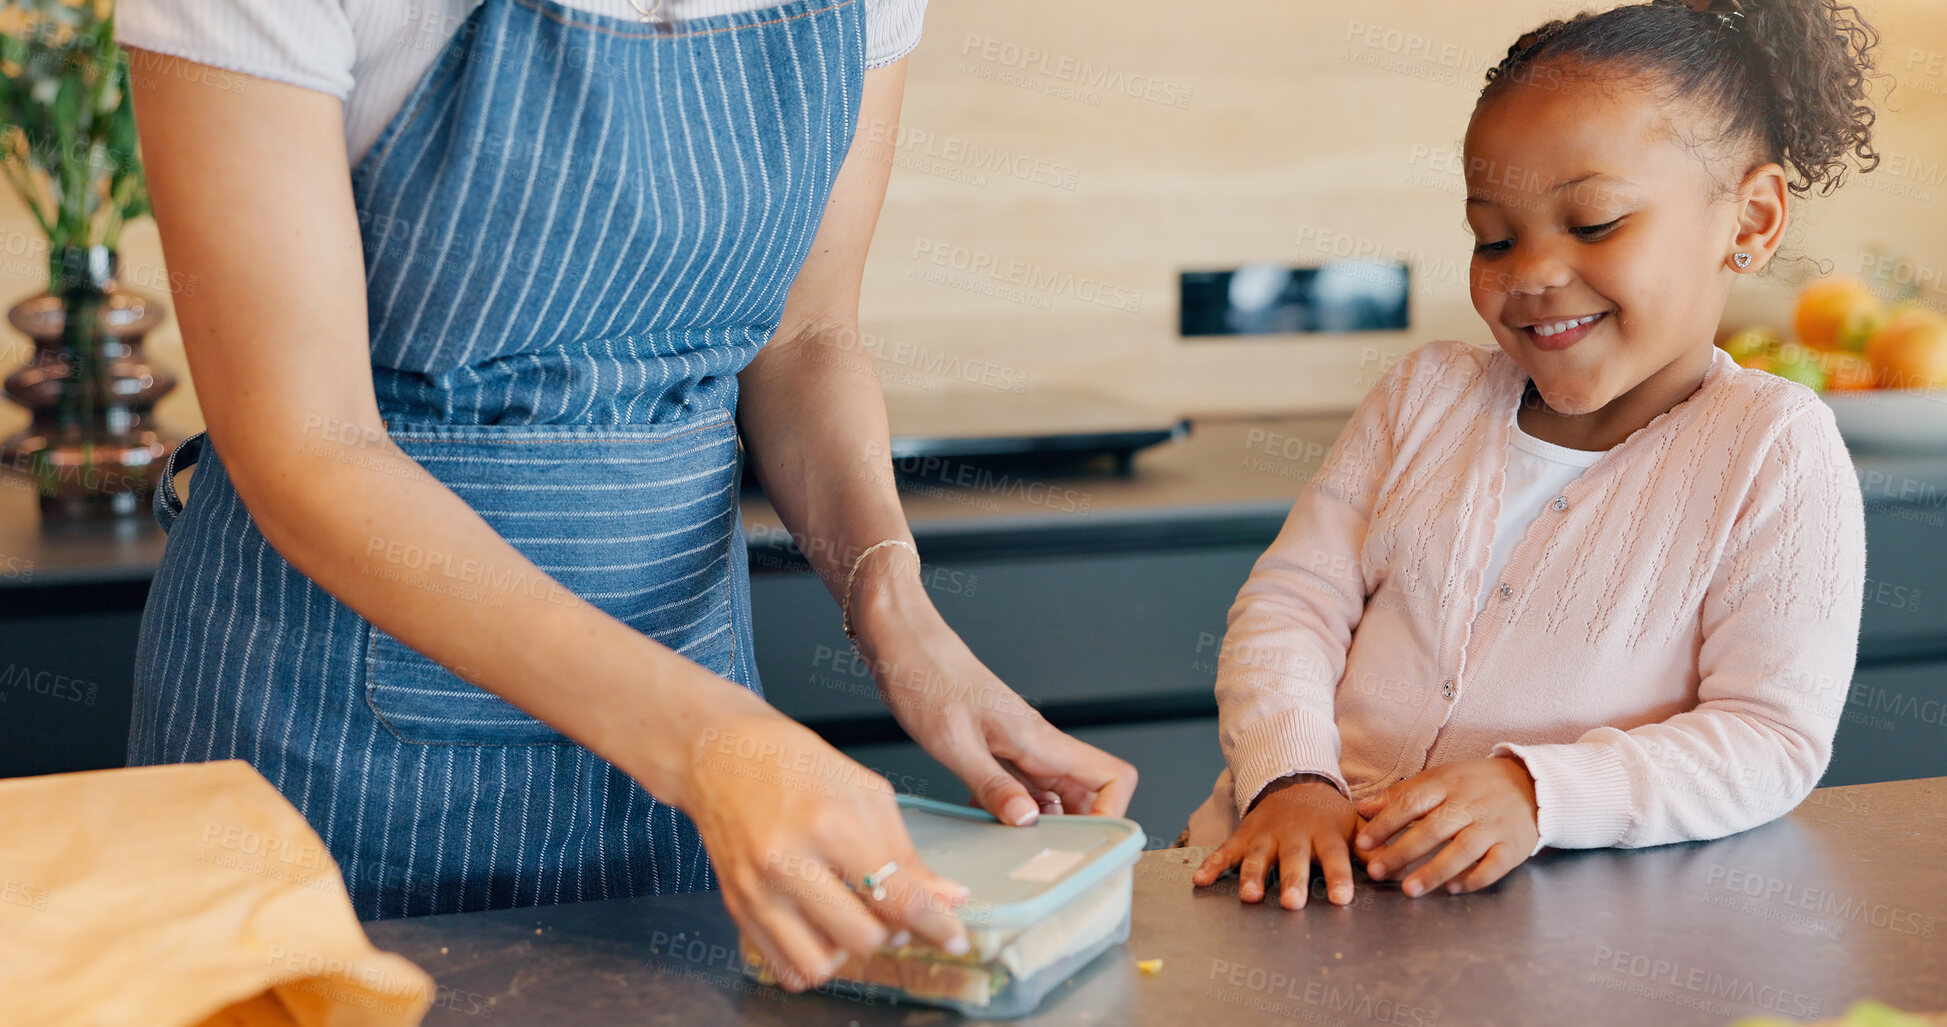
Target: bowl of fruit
{"points": [[1882, 370]]}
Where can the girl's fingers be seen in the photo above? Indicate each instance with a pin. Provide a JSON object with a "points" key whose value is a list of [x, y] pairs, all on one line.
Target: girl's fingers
{"points": [[1464, 851], [1500, 859], [1423, 837], [1336, 862], [1401, 808], [1257, 860], [1294, 874], [1220, 860]]}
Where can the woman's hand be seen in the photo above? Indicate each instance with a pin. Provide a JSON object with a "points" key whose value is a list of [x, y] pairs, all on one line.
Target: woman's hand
{"points": [[1295, 821], [791, 825], [1484, 810], [1017, 765]]}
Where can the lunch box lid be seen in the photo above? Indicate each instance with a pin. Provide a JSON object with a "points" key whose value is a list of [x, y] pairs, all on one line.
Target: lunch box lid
{"points": [[1017, 876]]}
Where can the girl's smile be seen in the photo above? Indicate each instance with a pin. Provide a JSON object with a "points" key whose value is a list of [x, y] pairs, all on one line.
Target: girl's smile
{"points": [[1562, 333]]}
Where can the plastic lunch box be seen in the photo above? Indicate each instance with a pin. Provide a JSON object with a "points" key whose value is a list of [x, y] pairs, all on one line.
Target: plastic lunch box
{"points": [[1043, 902]]}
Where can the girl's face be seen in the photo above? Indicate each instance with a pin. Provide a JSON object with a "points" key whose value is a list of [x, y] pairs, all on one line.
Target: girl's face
{"points": [[1600, 239]]}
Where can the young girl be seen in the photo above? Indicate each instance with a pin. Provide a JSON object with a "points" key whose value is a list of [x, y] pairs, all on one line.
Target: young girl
{"points": [[1600, 587]]}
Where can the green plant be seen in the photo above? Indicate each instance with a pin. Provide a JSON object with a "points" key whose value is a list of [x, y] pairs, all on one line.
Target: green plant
{"points": [[67, 130]]}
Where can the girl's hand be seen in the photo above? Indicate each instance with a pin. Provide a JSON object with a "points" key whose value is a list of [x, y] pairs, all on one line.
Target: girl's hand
{"points": [[1294, 822], [1016, 764], [1483, 809], [791, 825]]}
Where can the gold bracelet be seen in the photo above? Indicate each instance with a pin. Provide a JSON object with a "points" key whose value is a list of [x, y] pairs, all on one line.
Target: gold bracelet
{"points": [[845, 602]]}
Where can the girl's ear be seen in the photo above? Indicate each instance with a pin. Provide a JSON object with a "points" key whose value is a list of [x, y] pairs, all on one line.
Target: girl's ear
{"points": [[1761, 200]]}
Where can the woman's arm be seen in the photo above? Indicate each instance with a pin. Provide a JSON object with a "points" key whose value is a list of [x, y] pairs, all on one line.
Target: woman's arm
{"points": [[815, 422], [253, 199], [252, 195]]}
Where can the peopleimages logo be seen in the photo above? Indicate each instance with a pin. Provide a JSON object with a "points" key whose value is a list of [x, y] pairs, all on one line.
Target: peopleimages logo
{"points": [[1074, 71], [1034, 283], [50, 684], [1702, 982], [1823, 901]]}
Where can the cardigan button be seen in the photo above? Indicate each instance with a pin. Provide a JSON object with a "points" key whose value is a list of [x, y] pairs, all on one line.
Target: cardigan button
{"points": [[1506, 590], [1446, 690], [1561, 502]]}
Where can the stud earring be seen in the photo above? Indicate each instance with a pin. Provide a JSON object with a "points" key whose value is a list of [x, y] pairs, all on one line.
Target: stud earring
{"points": [[1742, 260]]}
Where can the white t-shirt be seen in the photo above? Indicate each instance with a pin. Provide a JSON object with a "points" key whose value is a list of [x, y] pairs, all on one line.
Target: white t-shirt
{"points": [[1537, 473], [370, 53]]}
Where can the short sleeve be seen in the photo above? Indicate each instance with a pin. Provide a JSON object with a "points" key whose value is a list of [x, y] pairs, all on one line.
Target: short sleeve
{"points": [[891, 29], [306, 43]]}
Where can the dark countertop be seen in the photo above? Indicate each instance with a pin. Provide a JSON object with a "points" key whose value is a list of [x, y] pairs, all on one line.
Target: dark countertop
{"points": [[1842, 900], [1229, 481], [1226, 480]]}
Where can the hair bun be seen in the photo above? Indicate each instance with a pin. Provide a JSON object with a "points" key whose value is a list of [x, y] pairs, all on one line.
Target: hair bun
{"points": [[1789, 78]]}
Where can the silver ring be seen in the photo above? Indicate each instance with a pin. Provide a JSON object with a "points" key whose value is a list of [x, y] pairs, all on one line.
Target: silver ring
{"points": [[875, 882]]}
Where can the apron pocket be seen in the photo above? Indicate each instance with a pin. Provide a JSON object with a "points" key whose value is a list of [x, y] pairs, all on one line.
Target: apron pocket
{"points": [[638, 520]]}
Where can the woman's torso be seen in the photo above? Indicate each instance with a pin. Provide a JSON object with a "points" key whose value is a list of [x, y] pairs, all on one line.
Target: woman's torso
{"points": [[577, 230]]}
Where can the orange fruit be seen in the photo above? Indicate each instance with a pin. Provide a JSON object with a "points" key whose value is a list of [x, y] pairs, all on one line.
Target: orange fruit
{"points": [[1837, 313], [1846, 371], [1910, 352]]}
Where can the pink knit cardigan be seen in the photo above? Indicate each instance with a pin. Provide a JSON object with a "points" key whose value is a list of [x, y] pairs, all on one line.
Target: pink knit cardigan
{"points": [[1668, 650]]}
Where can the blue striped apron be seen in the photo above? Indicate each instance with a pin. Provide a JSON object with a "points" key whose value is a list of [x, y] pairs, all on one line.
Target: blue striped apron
{"points": [[577, 230]]}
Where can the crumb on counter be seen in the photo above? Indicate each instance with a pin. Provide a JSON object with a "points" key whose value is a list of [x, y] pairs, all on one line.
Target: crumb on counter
{"points": [[1149, 967]]}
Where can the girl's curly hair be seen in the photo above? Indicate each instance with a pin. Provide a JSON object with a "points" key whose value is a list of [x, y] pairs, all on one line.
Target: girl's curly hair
{"points": [[1788, 77]]}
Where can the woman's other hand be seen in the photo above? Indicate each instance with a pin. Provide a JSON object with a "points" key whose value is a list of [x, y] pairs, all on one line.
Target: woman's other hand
{"points": [[1016, 764]]}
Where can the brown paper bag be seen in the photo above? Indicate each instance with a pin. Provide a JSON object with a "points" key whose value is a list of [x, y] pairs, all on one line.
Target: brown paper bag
{"points": [[182, 895]]}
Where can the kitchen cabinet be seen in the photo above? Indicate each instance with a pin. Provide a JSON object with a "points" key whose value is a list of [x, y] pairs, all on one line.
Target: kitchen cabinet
{"points": [[1100, 598], [1894, 726]]}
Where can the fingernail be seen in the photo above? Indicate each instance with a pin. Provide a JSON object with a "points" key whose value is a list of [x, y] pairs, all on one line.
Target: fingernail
{"points": [[957, 890], [900, 940], [1454, 888], [1365, 841], [957, 945], [1413, 888], [1020, 811], [1377, 871], [1341, 895], [838, 960]]}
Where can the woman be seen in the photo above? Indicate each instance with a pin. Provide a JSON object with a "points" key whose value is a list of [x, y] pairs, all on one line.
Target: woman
{"points": [[461, 567]]}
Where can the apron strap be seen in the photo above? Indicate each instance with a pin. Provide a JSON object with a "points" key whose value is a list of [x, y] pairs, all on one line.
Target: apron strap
{"points": [[167, 502]]}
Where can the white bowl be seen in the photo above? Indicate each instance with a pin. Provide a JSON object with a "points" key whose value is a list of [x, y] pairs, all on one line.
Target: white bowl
{"points": [[1892, 421]]}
